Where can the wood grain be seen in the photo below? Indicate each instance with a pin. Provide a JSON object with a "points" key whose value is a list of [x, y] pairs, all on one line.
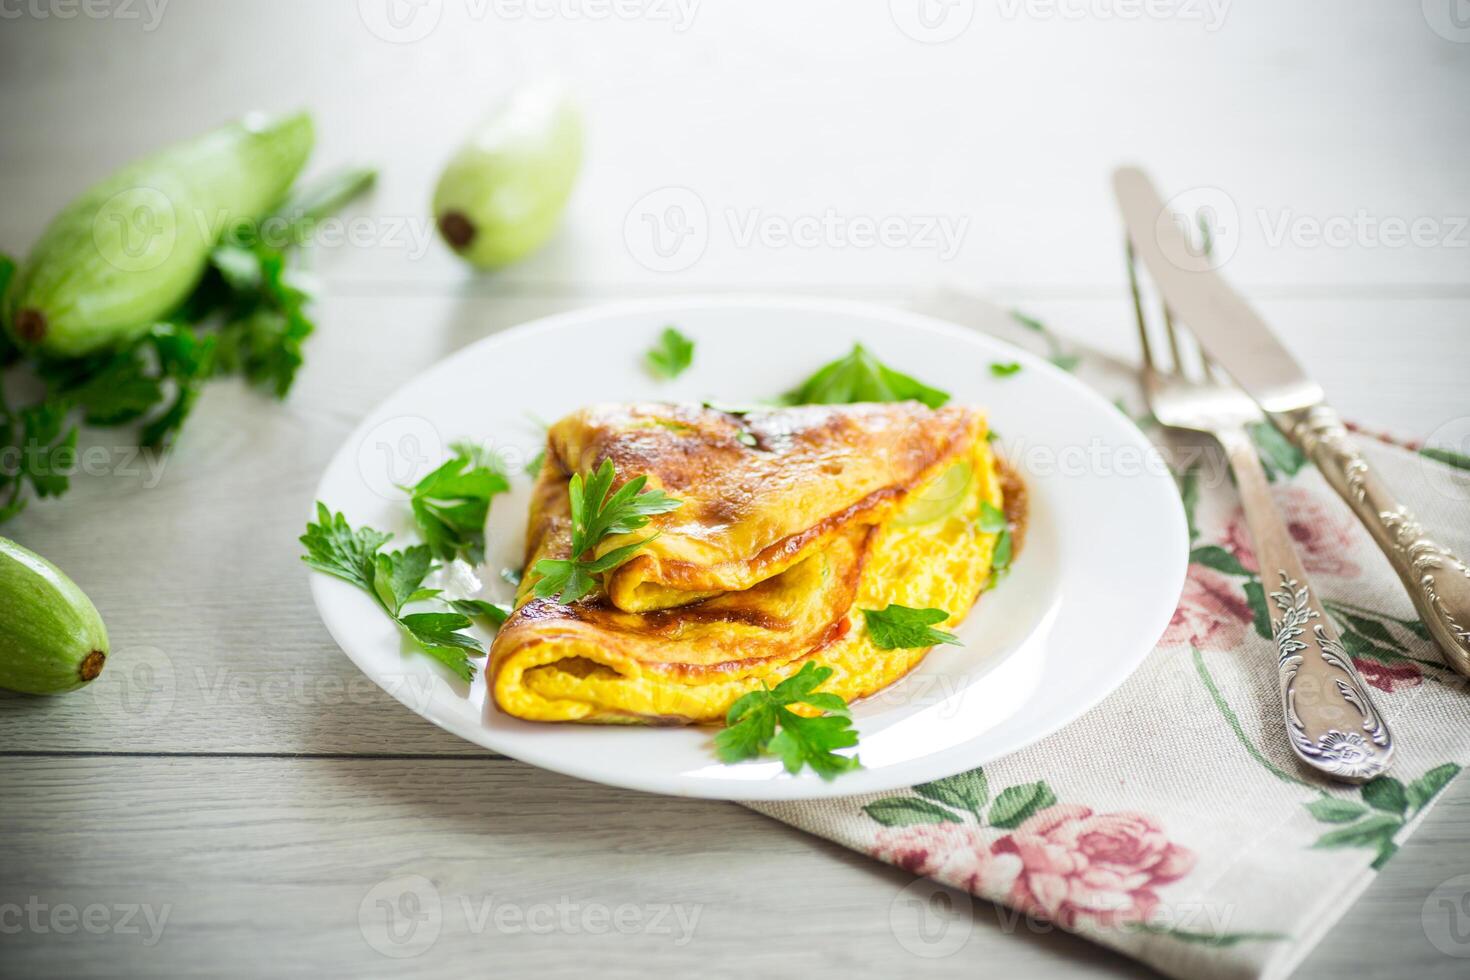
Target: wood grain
{"points": [[233, 765], [264, 866]]}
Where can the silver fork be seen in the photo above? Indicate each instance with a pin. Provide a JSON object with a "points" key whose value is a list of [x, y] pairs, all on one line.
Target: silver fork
{"points": [[1332, 723]]}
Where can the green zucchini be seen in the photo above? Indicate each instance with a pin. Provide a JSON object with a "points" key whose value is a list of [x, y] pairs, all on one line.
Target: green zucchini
{"points": [[51, 638], [501, 195], [130, 249]]}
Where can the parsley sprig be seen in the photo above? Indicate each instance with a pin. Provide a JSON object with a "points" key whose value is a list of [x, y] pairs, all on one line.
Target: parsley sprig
{"points": [[904, 628], [451, 504], [394, 579], [861, 377], [248, 316], [45, 443], [596, 515], [762, 723], [671, 356]]}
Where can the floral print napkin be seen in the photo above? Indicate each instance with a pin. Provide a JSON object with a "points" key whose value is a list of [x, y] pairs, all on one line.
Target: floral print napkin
{"points": [[1171, 822]]}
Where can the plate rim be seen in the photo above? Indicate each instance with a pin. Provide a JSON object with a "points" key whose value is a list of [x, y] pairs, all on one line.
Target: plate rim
{"points": [[804, 786]]}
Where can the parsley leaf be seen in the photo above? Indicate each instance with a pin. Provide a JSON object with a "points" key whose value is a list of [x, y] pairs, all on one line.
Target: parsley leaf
{"points": [[332, 546], [40, 451], [437, 634], [1004, 369], [111, 389], [50, 446], [860, 377], [266, 325], [596, 515], [571, 580], [397, 576], [900, 627], [187, 360], [393, 579], [992, 518], [452, 503], [672, 355], [753, 721], [495, 613]]}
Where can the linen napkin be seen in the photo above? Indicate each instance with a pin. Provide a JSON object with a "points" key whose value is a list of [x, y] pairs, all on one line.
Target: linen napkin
{"points": [[1171, 822]]}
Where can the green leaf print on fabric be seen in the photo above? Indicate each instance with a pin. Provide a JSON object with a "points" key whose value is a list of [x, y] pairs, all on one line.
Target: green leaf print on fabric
{"points": [[905, 811], [1385, 805], [967, 791], [1016, 803], [943, 830]]}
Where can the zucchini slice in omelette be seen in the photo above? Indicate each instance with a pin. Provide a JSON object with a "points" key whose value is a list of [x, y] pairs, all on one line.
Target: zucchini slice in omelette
{"points": [[793, 520]]}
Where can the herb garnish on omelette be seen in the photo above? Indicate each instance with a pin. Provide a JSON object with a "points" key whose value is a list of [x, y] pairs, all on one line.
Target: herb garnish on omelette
{"points": [[760, 565], [792, 526]]}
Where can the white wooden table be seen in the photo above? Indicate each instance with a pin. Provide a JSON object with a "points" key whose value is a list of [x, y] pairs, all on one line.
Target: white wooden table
{"points": [[233, 770]]}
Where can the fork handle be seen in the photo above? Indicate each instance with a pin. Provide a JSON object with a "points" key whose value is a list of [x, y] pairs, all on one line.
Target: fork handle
{"points": [[1437, 581], [1331, 722]]}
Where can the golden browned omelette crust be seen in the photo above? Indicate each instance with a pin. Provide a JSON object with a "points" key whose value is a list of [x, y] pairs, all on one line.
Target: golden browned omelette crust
{"points": [[804, 518], [761, 490]]}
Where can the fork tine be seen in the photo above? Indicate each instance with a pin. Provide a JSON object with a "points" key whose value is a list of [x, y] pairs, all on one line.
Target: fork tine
{"points": [[1148, 353]]}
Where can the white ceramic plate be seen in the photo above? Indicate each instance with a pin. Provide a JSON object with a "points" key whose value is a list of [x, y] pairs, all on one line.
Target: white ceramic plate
{"points": [[1089, 594]]}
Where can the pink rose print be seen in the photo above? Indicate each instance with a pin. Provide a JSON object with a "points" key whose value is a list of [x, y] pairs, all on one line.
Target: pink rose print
{"points": [[1389, 677], [1212, 612], [956, 854], [1080, 866], [1323, 534]]}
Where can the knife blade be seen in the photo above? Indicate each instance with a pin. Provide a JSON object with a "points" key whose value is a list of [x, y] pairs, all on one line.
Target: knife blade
{"points": [[1235, 336], [1227, 327]]}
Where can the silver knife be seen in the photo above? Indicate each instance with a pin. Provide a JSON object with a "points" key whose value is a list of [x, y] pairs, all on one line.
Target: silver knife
{"points": [[1236, 336]]}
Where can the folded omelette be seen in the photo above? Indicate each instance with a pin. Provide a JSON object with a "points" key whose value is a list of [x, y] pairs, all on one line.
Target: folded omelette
{"points": [[793, 521]]}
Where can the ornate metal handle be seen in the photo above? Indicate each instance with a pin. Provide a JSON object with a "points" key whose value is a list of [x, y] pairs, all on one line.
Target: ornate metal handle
{"points": [[1330, 719], [1438, 582]]}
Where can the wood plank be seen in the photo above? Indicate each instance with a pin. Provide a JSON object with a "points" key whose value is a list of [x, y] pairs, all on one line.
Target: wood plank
{"points": [[265, 865], [767, 125]]}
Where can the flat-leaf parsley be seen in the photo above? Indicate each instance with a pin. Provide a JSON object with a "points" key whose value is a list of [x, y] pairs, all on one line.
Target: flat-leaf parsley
{"points": [[900, 627], [394, 579], [861, 377], [672, 355], [596, 515], [761, 722]]}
